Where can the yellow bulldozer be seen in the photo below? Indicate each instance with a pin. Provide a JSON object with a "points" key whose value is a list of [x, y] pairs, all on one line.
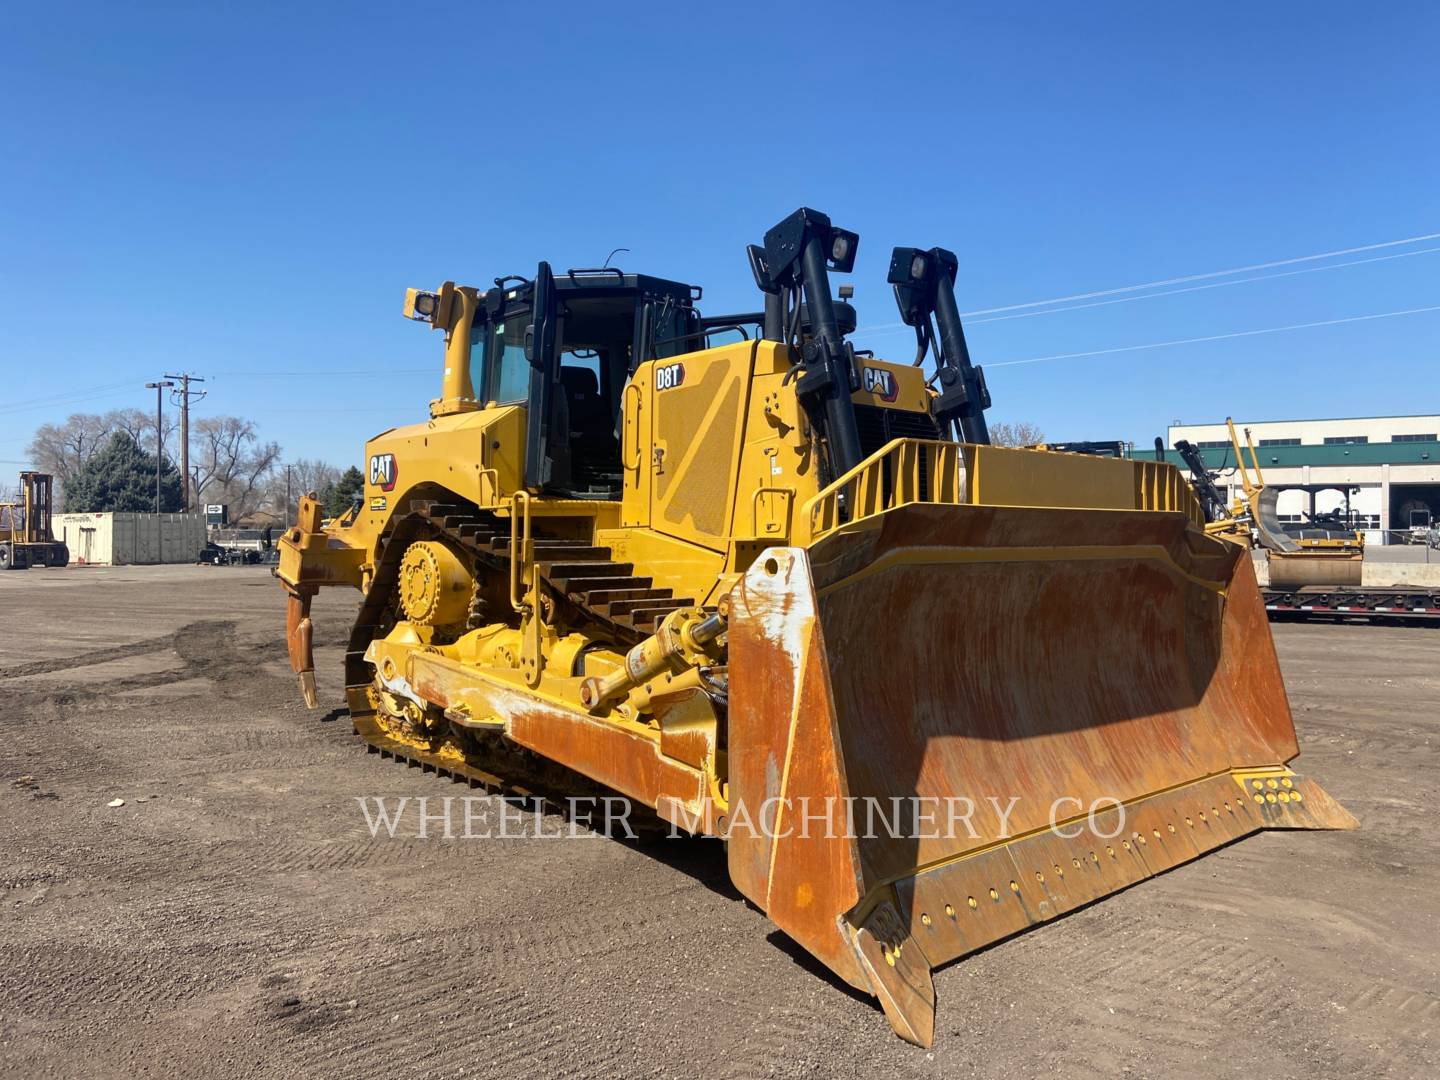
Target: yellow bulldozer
{"points": [[930, 691]]}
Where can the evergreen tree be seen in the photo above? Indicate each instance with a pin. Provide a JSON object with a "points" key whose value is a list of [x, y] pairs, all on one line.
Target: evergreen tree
{"points": [[336, 498], [121, 477]]}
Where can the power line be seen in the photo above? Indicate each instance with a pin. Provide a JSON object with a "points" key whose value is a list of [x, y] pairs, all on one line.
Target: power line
{"points": [[331, 411], [316, 373], [1212, 337], [90, 394], [46, 398], [1186, 279], [1212, 274], [1201, 288]]}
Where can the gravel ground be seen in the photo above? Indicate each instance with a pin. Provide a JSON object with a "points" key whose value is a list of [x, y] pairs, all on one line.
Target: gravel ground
{"points": [[235, 918]]}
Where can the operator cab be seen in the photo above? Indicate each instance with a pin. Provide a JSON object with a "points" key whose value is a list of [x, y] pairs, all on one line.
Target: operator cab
{"points": [[564, 346]]}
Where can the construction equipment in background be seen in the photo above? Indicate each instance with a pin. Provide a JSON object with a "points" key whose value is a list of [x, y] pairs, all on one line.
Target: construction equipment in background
{"points": [[238, 547], [1113, 448], [1218, 516], [1422, 530], [26, 538], [1252, 518], [1308, 576], [1327, 532], [773, 588], [1330, 531]]}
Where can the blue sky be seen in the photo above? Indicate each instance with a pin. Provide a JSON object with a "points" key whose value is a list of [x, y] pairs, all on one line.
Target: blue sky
{"points": [[244, 191]]}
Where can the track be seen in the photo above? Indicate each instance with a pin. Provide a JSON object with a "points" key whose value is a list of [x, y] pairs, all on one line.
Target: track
{"points": [[581, 579]]}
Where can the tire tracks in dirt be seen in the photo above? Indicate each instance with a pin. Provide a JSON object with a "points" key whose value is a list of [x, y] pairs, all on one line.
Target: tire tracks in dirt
{"points": [[92, 658]]}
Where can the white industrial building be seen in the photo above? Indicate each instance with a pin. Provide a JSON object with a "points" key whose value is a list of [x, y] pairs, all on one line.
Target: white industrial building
{"points": [[1383, 472], [116, 539]]}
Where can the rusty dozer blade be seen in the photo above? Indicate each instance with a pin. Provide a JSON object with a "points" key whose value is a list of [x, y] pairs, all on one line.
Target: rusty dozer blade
{"points": [[950, 723]]}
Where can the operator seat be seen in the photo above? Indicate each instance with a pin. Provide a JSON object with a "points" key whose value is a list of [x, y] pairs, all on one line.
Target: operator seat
{"points": [[594, 449]]}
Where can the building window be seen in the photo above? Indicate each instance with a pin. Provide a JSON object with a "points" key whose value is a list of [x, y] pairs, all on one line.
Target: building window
{"points": [[1279, 442], [1412, 438], [1211, 444], [1345, 440]]}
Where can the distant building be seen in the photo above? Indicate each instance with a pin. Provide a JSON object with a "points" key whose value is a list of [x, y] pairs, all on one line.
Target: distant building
{"points": [[1381, 471]]}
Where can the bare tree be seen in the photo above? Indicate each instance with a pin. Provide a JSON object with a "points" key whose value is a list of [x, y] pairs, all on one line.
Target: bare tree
{"points": [[139, 424], [306, 475], [63, 449], [1016, 433], [235, 466]]}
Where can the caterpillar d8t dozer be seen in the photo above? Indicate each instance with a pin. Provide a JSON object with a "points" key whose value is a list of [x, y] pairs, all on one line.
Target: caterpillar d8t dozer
{"points": [[930, 691]]}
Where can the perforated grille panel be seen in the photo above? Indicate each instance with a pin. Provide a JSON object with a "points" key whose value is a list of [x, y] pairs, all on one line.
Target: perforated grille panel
{"points": [[878, 426]]}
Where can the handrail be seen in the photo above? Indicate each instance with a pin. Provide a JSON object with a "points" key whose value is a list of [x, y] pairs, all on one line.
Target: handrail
{"points": [[485, 473], [909, 471], [521, 548], [766, 489], [639, 404], [890, 477]]}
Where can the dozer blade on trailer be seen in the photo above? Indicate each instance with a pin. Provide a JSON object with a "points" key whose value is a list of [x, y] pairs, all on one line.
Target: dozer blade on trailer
{"points": [[1081, 699]]}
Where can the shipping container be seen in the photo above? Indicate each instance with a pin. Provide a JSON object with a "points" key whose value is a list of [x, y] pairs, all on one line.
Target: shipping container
{"points": [[129, 539]]}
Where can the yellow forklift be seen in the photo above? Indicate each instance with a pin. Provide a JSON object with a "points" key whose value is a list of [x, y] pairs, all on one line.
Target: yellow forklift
{"points": [[25, 536]]}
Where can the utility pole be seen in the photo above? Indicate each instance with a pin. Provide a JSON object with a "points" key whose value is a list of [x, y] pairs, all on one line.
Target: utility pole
{"points": [[183, 398], [287, 495], [159, 388]]}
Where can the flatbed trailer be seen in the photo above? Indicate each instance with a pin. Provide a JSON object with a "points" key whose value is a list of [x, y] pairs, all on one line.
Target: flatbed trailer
{"points": [[1380, 604]]}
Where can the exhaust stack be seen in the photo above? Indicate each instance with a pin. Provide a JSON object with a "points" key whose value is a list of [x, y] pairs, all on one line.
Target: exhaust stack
{"points": [[452, 310]]}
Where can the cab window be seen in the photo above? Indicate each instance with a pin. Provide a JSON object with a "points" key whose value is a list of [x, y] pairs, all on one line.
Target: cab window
{"points": [[507, 372]]}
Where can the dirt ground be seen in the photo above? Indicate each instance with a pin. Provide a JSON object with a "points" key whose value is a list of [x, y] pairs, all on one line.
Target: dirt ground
{"points": [[234, 917]]}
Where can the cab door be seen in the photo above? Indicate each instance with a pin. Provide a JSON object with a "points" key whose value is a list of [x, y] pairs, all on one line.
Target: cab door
{"points": [[542, 349], [637, 406]]}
